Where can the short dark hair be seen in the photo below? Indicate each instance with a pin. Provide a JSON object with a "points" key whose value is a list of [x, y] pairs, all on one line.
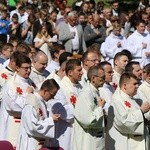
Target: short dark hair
{"points": [[118, 55], [15, 55], [56, 49], [63, 57], [147, 68], [71, 64], [125, 77], [49, 84], [23, 47], [104, 63], [129, 66], [21, 59], [93, 71]]}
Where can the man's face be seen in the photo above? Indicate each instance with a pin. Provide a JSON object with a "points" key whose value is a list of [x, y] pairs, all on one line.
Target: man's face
{"points": [[41, 63], [122, 62], [141, 28], [43, 17], [92, 60], [85, 8], [96, 22], [50, 94], [7, 53], [82, 19], [117, 31], [144, 74], [72, 21], [108, 73], [115, 6], [54, 17], [76, 74], [137, 71], [100, 79], [131, 87], [24, 71]]}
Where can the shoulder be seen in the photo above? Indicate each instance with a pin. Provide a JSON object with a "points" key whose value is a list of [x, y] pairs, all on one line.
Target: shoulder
{"points": [[31, 100]]}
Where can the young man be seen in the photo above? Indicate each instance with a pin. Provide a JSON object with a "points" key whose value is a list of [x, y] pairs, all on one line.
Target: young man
{"points": [[89, 117], [13, 99], [64, 103], [38, 127], [7, 50], [126, 122], [107, 90], [120, 62], [8, 71]]}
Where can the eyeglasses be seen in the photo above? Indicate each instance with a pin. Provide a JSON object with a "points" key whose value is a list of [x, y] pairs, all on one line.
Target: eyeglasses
{"points": [[94, 60], [110, 72], [101, 77], [26, 68]]}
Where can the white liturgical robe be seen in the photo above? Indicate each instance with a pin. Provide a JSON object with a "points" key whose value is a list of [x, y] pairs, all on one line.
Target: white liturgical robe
{"points": [[36, 126], [126, 129]]}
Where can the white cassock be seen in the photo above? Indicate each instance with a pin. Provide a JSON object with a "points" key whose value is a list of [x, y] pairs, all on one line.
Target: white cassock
{"points": [[126, 129], [53, 75], [134, 45], [52, 66], [106, 92], [84, 79], [116, 79], [13, 100], [110, 48], [5, 75], [37, 77], [89, 121], [62, 105], [143, 93], [36, 126]]}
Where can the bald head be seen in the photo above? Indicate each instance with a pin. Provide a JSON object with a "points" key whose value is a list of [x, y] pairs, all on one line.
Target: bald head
{"points": [[96, 20], [40, 61]]}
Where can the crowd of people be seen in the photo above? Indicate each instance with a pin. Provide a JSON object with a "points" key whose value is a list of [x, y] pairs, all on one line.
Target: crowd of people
{"points": [[74, 77]]}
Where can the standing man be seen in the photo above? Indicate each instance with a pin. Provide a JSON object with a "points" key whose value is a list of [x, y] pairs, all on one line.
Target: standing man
{"points": [[38, 72], [4, 23], [107, 90], [13, 99], [91, 57], [134, 68], [8, 71], [126, 127], [120, 61], [64, 103], [38, 127], [138, 44], [113, 44], [94, 33], [89, 118], [144, 88], [71, 34]]}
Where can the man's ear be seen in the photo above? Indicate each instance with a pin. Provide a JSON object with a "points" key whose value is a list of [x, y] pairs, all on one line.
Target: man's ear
{"points": [[70, 73], [17, 69]]}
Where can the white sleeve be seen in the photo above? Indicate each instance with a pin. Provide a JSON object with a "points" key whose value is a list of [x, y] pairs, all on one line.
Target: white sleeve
{"points": [[35, 127]]}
